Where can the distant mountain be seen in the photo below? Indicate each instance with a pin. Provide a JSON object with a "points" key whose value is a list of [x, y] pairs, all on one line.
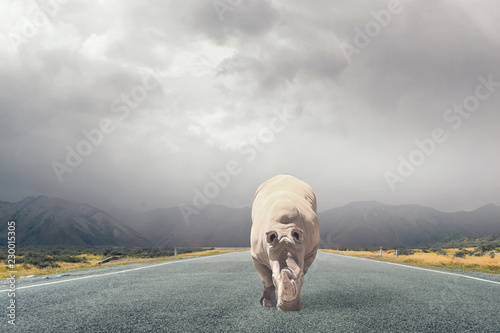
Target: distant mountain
{"points": [[46, 221], [371, 224], [213, 226], [365, 224]]}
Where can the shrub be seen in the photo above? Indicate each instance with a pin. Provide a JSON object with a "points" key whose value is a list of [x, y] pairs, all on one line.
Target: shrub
{"points": [[54, 252], [116, 252], [70, 259], [486, 247], [406, 252], [441, 252], [461, 253], [38, 260], [46, 264]]}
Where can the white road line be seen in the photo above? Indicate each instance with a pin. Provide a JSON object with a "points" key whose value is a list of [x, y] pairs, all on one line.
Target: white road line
{"points": [[414, 267], [119, 272]]}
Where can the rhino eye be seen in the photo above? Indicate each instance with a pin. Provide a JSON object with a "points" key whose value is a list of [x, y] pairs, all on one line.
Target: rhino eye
{"points": [[296, 236]]}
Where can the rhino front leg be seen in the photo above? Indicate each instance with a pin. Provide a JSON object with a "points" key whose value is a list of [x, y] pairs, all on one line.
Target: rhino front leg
{"points": [[309, 260], [269, 298]]}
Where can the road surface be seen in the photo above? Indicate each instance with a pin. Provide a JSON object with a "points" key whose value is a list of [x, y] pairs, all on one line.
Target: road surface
{"points": [[221, 294]]}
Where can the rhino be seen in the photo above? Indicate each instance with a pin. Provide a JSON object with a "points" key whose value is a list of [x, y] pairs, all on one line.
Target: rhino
{"points": [[284, 239]]}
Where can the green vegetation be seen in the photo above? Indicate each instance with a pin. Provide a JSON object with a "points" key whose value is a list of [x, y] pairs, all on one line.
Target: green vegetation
{"points": [[457, 259], [50, 257], [406, 252], [36, 261], [488, 243], [441, 252]]}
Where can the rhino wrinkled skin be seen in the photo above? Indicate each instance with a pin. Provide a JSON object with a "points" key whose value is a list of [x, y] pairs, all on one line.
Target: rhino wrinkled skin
{"points": [[284, 239]]}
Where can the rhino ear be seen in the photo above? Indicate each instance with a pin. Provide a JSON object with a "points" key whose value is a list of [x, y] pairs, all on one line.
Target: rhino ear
{"points": [[272, 237]]}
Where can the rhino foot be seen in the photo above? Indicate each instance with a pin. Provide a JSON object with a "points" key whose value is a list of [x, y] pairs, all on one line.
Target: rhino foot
{"points": [[284, 306], [268, 302], [269, 297]]}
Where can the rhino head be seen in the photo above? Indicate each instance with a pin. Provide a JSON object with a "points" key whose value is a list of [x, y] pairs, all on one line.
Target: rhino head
{"points": [[286, 256]]}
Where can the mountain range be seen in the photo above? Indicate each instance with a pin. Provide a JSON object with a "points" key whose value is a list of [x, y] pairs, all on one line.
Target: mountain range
{"points": [[214, 225], [46, 221], [371, 224]]}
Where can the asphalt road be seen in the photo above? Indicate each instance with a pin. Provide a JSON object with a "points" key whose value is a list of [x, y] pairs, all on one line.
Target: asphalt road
{"points": [[221, 294]]}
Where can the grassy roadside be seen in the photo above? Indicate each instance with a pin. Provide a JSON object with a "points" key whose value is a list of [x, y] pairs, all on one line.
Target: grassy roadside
{"points": [[445, 259], [92, 260]]}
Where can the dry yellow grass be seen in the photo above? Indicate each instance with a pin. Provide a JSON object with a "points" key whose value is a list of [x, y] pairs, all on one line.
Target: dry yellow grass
{"points": [[26, 270], [432, 260]]}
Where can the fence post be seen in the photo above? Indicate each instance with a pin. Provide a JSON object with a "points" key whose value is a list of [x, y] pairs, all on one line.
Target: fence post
{"points": [[175, 252], [381, 251], [397, 253]]}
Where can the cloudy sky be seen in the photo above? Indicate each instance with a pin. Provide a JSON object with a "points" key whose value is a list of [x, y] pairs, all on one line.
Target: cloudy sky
{"points": [[141, 104]]}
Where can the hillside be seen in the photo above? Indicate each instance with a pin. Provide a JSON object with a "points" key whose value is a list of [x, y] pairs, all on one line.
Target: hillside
{"points": [[213, 226], [46, 221], [358, 224], [372, 224]]}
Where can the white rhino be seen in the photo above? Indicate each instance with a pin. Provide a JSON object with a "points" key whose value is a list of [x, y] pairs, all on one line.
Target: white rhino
{"points": [[284, 239]]}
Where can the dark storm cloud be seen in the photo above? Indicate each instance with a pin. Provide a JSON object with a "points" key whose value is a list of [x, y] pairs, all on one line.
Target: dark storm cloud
{"points": [[230, 72], [222, 20]]}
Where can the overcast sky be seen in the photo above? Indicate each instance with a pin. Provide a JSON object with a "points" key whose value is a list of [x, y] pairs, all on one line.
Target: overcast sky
{"points": [[138, 104]]}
